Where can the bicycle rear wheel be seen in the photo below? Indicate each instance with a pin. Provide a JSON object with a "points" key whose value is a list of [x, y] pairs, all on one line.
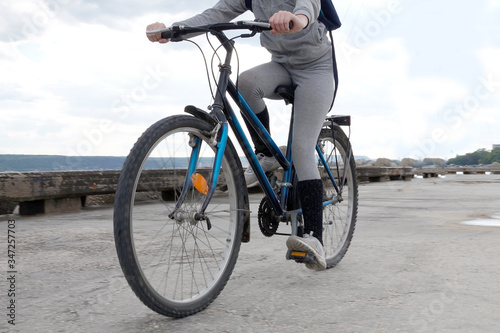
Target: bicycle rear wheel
{"points": [[177, 265], [339, 217]]}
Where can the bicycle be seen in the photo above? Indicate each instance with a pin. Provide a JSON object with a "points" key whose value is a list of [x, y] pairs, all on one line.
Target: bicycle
{"points": [[181, 208]]}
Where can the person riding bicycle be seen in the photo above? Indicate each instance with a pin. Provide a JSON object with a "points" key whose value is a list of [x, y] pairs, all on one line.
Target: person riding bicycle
{"points": [[301, 58]]}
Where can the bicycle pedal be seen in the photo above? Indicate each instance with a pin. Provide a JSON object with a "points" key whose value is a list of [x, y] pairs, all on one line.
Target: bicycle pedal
{"points": [[300, 256]]}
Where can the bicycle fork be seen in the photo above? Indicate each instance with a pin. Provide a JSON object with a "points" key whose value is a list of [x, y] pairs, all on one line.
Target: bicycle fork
{"points": [[218, 139]]}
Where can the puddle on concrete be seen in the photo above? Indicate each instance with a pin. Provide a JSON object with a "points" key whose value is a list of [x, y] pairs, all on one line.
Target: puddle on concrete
{"points": [[493, 222]]}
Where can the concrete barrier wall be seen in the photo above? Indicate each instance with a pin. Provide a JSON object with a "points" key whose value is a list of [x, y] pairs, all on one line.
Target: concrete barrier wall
{"points": [[47, 192], [379, 174], [31, 186]]}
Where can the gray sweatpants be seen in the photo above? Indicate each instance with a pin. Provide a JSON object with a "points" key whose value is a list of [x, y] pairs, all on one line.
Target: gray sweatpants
{"points": [[313, 97]]}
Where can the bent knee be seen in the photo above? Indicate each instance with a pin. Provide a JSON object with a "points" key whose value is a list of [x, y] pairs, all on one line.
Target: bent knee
{"points": [[248, 85]]}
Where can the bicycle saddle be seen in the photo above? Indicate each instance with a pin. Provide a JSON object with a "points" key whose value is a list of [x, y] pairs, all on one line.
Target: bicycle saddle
{"points": [[286, 92]]}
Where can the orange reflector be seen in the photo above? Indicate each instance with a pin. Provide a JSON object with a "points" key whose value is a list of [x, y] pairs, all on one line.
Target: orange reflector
{"points": [[200, 183], [298, 254]]}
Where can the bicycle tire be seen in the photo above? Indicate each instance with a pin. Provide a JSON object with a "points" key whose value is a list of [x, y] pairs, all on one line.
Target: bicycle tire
{"points": [[177, 267], [339, 219]]}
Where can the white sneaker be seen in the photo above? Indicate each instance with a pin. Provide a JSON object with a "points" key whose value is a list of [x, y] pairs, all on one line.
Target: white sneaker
{"points": [[268, 163], [310, 244]]}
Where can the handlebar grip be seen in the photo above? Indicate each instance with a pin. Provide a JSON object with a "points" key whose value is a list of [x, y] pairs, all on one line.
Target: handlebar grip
{"points": [[167, 34], [290, 24]]}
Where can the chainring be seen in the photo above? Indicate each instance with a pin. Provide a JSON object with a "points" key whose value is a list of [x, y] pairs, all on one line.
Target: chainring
{"points": [[268, 220]]}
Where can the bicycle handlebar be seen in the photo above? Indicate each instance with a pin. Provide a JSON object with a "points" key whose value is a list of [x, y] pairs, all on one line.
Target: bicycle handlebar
{"points": [[176, 31]]}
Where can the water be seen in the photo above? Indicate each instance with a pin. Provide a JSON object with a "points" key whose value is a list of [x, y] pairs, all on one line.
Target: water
{"points": [[493, 222]]}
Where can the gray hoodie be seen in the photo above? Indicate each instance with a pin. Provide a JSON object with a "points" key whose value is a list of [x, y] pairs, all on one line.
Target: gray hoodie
{"points": [[296, 50]]}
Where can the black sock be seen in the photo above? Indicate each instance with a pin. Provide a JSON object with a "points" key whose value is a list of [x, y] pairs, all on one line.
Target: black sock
{"points": [[259, 145], [311, 201]]}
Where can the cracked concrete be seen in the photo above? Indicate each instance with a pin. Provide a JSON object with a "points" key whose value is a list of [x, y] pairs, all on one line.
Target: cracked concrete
{"points": [[412, 267]]}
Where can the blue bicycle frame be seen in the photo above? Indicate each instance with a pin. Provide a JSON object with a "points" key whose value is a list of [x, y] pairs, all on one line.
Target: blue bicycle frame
{"points": [[221, 115]]}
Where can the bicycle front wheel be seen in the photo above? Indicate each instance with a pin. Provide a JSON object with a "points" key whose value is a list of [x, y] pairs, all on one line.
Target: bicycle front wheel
{"points": [[176, 263], [339, 217]]}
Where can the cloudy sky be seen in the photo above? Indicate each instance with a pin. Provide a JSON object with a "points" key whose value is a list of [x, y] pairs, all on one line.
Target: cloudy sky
{"points": [[419, 78]]}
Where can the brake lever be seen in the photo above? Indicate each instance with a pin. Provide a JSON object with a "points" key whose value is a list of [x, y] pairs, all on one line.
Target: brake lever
{"points": [[253, 33]]}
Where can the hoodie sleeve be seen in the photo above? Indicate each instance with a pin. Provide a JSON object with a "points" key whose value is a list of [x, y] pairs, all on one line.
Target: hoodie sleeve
{"points": [[309, 8]]}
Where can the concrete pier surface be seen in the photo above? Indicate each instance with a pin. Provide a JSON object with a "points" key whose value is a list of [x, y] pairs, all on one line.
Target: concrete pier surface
{"points": [[412, 267]]}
